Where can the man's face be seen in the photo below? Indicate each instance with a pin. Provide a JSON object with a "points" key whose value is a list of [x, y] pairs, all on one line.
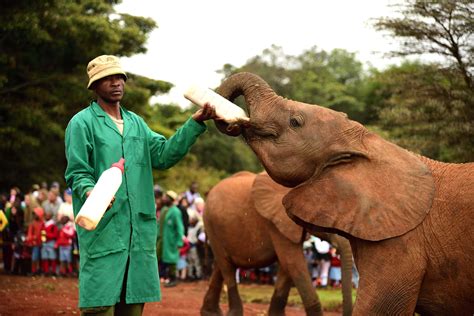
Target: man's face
{"points": [[110, 88], [52, 196]]}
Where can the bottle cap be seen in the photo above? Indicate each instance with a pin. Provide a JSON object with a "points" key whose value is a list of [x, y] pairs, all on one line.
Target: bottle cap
{"points": [[120, 164]]}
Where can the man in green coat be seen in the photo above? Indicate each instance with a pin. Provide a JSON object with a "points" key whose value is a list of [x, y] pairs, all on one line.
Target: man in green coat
{"points": [[170, 237], [118, 265]]}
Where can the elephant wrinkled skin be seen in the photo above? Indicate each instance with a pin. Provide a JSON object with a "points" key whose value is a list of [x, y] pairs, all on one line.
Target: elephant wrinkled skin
{"points": [[409, 219], [247, 227]]}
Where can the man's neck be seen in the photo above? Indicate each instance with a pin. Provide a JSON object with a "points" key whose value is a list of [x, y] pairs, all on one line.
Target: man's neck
{"points": [[111, 108]]}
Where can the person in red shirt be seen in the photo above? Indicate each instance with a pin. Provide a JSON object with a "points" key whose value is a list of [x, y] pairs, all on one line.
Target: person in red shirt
{"points": [[335, 271], [33, 238], [48, 252], [64, 243]]}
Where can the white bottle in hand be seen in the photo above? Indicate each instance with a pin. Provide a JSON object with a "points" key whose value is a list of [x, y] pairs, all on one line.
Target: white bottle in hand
{"points": [[101, 196], [225, 109]]}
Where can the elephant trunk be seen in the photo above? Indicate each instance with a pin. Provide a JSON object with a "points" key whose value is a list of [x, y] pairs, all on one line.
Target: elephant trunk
{"points": [[254, 89]]}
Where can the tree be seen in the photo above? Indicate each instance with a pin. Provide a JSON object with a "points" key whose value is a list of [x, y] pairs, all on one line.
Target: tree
{"points": [[430, 107], [46, 46], [442, 28], [425, 109]]}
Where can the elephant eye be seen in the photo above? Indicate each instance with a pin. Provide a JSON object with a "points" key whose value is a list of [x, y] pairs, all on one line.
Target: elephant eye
{"points": [[296, 122]]}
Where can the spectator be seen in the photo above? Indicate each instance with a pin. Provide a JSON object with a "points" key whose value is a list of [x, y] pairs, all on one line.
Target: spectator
{"points": [[170, 238], [323, 260], [14, 230], [48, 251], [308, 253], [52, 204], [335, 270], [65, 209], [42, 196], [44, 185], [33, 238], [158, 201], [35, 188], [21, 254], [14, 196], [182, 265], [30, 204], [355, 275], [192, 193], [199, 206], [3, 220], [64, 243], [194, 261], [183, 207]]}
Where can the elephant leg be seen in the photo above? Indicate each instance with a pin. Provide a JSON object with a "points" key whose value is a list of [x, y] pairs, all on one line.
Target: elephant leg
{"points": [[228, 273], [210, 306], [389, 284], [291, 258], [280, 294]]}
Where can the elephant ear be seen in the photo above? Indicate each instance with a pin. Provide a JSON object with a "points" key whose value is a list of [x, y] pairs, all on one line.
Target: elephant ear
{"points": [[267, 196], [383, 195]]}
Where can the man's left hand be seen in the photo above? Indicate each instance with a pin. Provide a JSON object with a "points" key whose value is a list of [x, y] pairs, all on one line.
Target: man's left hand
{"points": [[205, 113]]}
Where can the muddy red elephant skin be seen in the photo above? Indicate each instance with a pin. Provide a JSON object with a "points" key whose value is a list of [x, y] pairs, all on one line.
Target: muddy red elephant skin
{"points": [[409, 219], [248, 227]]}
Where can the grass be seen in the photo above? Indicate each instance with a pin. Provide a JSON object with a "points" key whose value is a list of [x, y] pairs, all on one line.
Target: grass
{"points": [[331, 299]]}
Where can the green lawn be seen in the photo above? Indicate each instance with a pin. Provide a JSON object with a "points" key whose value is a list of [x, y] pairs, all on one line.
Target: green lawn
{"points": [[331, 299]]}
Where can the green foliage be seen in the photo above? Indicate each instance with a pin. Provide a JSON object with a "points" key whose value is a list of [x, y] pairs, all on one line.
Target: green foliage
{"points": [[46, 46], [180, 176], [426, 109], [429, 108]]}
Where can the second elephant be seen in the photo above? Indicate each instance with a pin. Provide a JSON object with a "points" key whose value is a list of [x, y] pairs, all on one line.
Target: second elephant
{"points": [[248, 227]]}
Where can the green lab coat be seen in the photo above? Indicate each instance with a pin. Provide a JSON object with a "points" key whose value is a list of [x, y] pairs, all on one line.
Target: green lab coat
{"points": [[170, 235], [126, 234]]}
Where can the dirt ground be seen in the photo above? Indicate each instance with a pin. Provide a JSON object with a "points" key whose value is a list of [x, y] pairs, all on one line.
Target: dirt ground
{"points": [[21, 295]]}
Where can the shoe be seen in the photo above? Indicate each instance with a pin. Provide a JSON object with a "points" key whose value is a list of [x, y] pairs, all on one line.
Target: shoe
{"points": [[170, 284]]}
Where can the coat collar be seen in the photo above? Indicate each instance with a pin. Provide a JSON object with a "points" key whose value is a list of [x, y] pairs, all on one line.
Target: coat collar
{"points": [[99, 112]]}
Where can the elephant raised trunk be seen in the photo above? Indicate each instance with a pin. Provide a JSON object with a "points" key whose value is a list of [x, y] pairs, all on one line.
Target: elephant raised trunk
{"points": [[252, 87], [255, 91]]}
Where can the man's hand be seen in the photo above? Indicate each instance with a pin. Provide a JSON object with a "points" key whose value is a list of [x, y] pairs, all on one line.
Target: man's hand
{"points": [[111, 202], [205, 113]]}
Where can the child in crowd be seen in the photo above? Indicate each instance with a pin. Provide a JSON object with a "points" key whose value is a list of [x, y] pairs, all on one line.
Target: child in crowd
{"points": [[64, 242], [335, 271], [194, 263], [21, 254], [65, 209], [182, 264], [33, 238], [48, 252]]}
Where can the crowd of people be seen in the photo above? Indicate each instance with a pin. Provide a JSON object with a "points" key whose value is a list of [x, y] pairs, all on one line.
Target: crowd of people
{"points": [[323, 262], [39, 237], [37, 231]]}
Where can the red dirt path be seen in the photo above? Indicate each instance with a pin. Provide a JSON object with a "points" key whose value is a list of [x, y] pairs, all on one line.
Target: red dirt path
{"points": [[59, 296]]}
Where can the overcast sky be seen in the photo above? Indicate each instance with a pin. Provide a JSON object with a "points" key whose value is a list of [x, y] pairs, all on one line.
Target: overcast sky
{"points": [[196, 38]]}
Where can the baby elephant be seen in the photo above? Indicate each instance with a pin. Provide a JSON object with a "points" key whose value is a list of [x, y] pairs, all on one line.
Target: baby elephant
{"points": [[248, 227]]}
